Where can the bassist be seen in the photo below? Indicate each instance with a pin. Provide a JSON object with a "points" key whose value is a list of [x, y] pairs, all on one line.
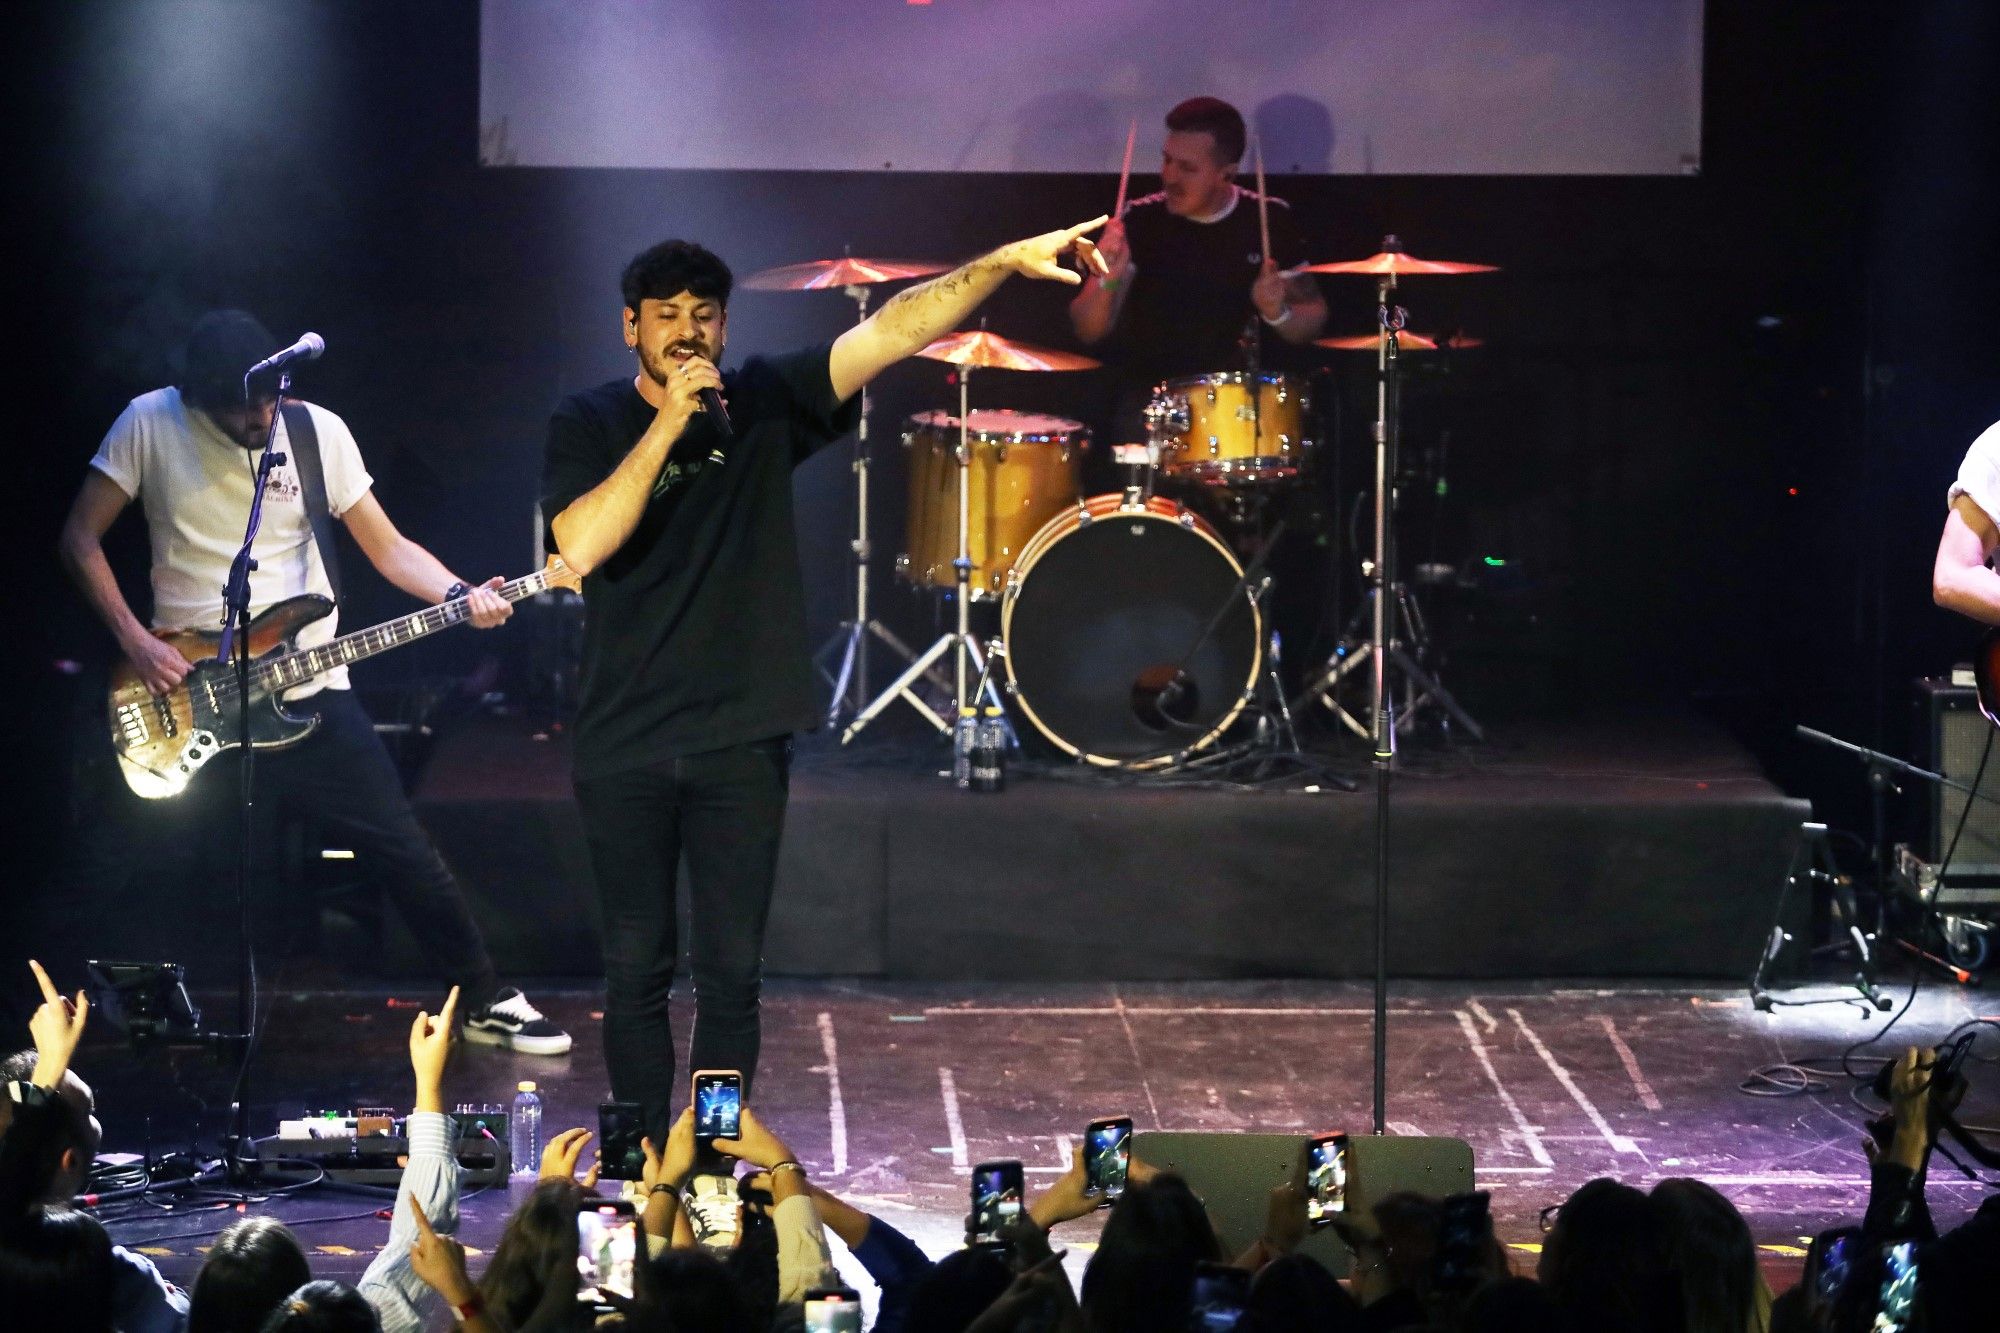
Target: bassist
{"points": [[188, 455]]}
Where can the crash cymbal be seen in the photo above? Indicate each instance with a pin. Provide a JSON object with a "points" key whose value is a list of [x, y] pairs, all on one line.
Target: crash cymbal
{"points": [[1394, 261], [1410, 342], [991, 351], [817, 274]]}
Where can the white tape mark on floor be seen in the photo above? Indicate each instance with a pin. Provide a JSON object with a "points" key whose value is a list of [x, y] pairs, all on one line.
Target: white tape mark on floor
{"points": [[1647, 1097], [1618, 1142], [1486, 1020], [1137, 1063], [948, 1088], [1527, 1131], [836, 1109]]}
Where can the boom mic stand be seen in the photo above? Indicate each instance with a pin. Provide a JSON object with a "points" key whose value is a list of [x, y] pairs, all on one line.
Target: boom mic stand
{"points": [[240, 1160]]}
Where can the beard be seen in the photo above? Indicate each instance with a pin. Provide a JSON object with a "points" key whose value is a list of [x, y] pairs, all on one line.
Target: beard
{"points": [[659, 366]]}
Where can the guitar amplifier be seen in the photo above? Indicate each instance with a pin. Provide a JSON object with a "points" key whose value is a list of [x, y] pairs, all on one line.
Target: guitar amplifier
{"points": [[1953, 736]]}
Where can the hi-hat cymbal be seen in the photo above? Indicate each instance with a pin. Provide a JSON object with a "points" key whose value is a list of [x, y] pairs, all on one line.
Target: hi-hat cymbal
{"points": [[1408, 341], [991, 351], [816, 274]]}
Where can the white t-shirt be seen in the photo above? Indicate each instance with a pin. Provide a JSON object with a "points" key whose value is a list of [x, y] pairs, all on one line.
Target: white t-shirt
{"points": [[1979, 474], [194, 483]]}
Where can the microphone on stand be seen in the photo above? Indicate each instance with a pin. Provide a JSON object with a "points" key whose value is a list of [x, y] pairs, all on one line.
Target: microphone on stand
{"points": [[307, 348]]}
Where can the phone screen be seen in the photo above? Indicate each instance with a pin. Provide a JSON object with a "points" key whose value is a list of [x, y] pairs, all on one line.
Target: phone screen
{"points": [[1326, 1178], [619, 1153], [1829, 1261], [996, 1198], [833, 1310], [1464, 1241], [1897, 1308], [607, 1247], [1219, 1293], [1107, 1156], [718, 1105]]}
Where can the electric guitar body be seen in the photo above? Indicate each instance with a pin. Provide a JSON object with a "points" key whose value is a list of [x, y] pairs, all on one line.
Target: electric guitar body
{"points": [[163, 739]]}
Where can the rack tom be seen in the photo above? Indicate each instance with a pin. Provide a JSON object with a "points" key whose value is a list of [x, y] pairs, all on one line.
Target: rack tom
{"points": [[1024, 469], [1231, 428]]}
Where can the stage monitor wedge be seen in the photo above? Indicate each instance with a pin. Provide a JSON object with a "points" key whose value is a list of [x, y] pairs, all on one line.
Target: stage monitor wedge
{"points": [[1234, 1173]]}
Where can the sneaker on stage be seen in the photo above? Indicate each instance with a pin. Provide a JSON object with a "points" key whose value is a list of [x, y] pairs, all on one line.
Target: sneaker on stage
{"points": [[712, 1209], [509, 1020]]}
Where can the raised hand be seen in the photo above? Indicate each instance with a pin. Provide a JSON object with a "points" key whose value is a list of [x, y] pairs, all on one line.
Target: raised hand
{"points": [[1065, 1200], [561, 1154], [57, 1027], [672, 1164], [1037, 256], [431, 1043], [439, 1260], [1267, 293], [1115, 249], [754, 1143]]}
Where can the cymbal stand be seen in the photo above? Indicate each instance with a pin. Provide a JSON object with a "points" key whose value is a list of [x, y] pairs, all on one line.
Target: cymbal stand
{"points": [[959, 642], [1399, 639], [850, 679]]}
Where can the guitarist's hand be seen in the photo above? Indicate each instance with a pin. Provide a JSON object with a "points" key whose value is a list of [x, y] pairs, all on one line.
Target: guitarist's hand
{"points": [[157, 663], [488, 607]]}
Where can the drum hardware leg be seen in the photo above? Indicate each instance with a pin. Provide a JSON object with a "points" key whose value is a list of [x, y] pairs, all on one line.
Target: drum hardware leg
{"points": [[850, 679]]}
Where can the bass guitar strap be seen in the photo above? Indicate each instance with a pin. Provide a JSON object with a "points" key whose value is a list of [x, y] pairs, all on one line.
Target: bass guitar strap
{"points": [[304, 440]]}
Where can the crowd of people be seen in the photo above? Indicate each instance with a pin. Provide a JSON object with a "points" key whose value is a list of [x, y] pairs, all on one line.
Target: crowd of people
{"points": [[736, 1238]]}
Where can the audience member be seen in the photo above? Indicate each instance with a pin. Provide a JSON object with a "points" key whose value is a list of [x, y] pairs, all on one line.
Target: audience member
{"points": [[253, 1266], [1140, 1278], [1604, 1262], [323, 1307], [1714, 1259], [56, 1272], [1295, 1291]]}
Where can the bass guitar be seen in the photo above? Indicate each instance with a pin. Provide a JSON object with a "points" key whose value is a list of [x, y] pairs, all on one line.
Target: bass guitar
{"points": [[162, 740]]}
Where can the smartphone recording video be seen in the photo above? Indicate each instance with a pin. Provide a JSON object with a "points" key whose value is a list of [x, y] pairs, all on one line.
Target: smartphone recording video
{"points": [[718, 1104], [833, 1310], [607, 1248], [997, 1192], [1326, 1179], [1828, 1261], [1220, 1291], [1465, 1242], [1896, 1311], [1107, 1157], [620, 1155]]}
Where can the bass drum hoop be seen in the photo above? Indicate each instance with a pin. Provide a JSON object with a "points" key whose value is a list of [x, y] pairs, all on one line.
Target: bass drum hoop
{"points": [[1104, 508]]}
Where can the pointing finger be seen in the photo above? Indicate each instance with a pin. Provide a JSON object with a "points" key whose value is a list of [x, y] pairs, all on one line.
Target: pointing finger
{"points": [[49, 991], [1091, 225], [424, 1228], [450, 1010]]}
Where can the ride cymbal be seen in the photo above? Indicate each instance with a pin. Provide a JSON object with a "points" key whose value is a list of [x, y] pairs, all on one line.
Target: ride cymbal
{"points": [[1410, 342], [817, 274], [990, 351]]}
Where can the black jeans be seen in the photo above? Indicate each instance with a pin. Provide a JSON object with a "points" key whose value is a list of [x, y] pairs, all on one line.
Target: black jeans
{"points": [[343, 778], [726, 811]]}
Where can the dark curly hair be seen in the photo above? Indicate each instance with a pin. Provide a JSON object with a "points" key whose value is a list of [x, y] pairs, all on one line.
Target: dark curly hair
{"points": [[672, 267]]}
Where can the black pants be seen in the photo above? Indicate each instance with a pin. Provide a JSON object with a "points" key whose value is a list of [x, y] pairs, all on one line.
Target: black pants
{"points": [[342, 778], [726, 811]]}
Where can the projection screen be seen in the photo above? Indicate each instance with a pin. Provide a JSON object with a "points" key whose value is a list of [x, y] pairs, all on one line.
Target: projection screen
{"points": [[1419, 87]]}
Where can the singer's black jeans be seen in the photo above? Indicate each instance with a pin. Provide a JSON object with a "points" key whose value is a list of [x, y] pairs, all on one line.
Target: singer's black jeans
{"points": [[725, 810]]}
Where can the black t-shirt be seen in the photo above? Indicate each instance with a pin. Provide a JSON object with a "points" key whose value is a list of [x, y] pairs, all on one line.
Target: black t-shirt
{"points": [[695, 629], [1190, 300]]}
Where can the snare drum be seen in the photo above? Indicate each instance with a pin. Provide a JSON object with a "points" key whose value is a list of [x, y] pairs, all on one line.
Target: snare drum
{"points": [[1024, 470], [1231, 428]]}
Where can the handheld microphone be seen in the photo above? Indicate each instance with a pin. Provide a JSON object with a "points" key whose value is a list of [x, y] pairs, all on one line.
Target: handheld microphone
{"points": [[307, 348], [711, 403]]}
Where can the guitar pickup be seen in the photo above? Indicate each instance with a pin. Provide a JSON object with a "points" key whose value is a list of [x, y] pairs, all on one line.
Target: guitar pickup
{"points": [[132, 728], [164, 707]]}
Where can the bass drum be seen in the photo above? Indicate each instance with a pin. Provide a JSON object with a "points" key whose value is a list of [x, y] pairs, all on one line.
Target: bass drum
{"points": [[1103, 621]]}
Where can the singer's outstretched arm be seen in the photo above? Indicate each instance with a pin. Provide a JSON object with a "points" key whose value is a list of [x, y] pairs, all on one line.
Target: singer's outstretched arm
{"points": [[923, 313]]}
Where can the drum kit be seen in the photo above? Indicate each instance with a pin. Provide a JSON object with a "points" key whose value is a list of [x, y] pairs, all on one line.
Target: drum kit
{"points": [[1133, 634]]}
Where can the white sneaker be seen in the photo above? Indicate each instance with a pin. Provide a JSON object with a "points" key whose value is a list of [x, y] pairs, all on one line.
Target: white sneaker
{"points": [[713, 1210], [509, 1020]]}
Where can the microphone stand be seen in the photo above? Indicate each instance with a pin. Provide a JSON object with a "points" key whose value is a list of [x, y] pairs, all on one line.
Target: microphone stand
{"points": [[240, 1162]]}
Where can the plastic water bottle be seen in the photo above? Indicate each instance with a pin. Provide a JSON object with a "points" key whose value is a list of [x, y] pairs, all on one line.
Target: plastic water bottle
{"points": [[524, 1131], [989, 753], [963, 738]]}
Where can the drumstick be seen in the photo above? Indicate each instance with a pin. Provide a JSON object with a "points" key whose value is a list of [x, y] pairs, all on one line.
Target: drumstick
{"points": [[1125, 172], [1263, 204]]}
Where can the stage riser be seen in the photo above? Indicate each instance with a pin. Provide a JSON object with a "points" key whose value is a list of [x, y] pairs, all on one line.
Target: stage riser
{"points": [[1050, 881]]}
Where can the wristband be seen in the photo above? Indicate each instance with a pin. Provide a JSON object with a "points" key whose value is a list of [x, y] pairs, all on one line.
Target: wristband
{"points": [[471, 1310], [667, 1188], [455, 591], [791, 1162], [1283, 314]]}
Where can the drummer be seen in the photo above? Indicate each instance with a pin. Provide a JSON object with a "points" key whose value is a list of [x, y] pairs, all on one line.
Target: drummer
{"points": [[1189, 291]]}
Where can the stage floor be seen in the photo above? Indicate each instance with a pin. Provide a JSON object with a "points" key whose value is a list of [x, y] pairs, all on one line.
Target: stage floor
{"points": [[889, 1090]]}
